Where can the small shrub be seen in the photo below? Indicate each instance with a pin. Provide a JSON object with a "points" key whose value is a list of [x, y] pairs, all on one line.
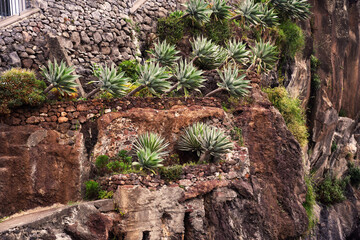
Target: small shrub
{"points": [[105, 194], [92, 190], [129, 67], [20, 87], [101, 161], [114, 166], [170, 29], [354, 173], [291, 38], [219, 31], [171, 173], [291, 111], [331, 190]]}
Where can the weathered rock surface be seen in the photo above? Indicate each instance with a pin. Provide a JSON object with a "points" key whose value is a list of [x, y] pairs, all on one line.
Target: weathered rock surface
{"points": [[37, 168]]}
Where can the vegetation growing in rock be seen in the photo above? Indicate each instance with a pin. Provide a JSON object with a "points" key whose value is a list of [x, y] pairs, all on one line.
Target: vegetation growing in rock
{"points": [[310, 201], [20, 87], [92, 190], [207, 141], [129, 68], [171, 173], [292, 112], [150, 150], [109, 80], [331, 190], [354, 174], [291, 38], [60, 77]]}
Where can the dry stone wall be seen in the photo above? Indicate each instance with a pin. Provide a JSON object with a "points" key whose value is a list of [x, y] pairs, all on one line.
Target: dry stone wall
{"points": [[86, 32]]}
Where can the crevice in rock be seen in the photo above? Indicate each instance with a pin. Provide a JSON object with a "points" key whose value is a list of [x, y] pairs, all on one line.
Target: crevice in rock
{"points": [[187, 225], [146, 235], [90, 132]]}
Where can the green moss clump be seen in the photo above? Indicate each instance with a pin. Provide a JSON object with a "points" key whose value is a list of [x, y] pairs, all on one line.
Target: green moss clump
{"points": [[292, 112], [101, 161], [218, 31], [171, 173], [291, 38], [20, 87]]}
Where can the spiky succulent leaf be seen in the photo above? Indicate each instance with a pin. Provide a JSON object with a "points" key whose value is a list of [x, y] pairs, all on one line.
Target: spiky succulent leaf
{"points": [[198, 10], [264, 55], [251, 12], [154, 77], [237, 51], [188, 76], [269, 17], [190, 139], [153, 142], [233, 83], [165, 53], [60, 76], [110, 80], [293, 9], [208, 55], [148, 159], [215, 142], [220, 9]]}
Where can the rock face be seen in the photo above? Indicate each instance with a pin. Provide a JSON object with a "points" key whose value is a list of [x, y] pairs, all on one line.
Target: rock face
{"points": [[37, 167]]}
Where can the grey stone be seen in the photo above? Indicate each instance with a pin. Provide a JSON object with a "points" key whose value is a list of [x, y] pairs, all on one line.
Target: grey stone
{"points": [[14, 59], [97, 37]]}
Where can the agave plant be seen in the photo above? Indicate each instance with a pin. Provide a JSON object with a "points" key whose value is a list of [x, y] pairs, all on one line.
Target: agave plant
{"points": [[206, 53], [109, 80], [153, 77], [237, 51], [165, 54], [214, 143], [264, 56], [269, 17], [188, 77], [189, 140], [232, 82], [60, 77], [294, 9], [197, 10], [250, 12], [220, 9], [148, 159], [152, 142], [205, 140]]}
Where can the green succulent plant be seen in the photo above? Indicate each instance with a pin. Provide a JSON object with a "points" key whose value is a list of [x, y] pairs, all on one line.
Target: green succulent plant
{"points": [[60, 77], [205, 140], [214, 143], [263, 56], [189, 140], [148, 159], [198, 10], [151, 141], [269, 17], [237, 51], [153, 77], [220, 9], [232, 82], [109, 80], [188, 77], [207, 54], [250, 12], [165, 54], [293, 9]]}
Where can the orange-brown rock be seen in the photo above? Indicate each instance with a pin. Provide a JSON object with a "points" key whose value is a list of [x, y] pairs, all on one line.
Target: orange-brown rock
{"points": [[37, 170]]}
